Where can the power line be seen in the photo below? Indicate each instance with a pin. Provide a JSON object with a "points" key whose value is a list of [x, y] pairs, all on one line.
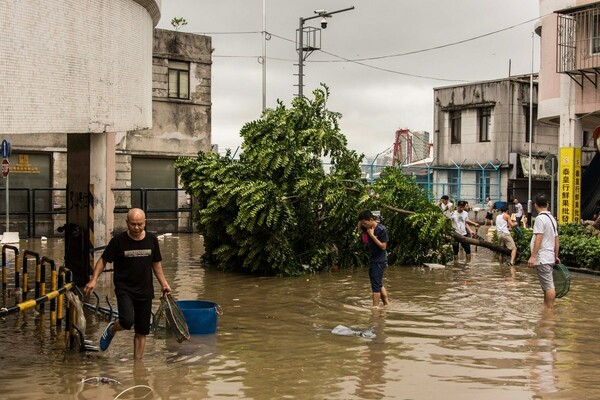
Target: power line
{"points": [[433, 48], [227, 33], [380, 68], [358, 61]]}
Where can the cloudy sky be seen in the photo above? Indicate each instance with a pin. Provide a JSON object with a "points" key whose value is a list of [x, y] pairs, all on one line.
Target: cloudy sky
{"points": [[389, 89]]}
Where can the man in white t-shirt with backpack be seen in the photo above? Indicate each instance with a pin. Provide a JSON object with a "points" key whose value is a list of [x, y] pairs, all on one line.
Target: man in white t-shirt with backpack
{"points": [[544, 249]]}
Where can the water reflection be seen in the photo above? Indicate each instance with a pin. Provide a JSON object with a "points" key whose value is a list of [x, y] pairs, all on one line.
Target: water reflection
{"points": [[371, 373], [466, 332], [543, 355]]}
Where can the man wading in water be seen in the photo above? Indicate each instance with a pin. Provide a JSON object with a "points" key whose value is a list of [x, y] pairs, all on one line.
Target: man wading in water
{"points": [[135, 254], [544, 249], [377, 240]]}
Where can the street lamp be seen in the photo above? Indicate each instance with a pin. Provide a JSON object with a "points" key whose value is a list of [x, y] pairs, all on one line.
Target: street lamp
{"points": [[372, 177], [312, 45], [529, 202]]}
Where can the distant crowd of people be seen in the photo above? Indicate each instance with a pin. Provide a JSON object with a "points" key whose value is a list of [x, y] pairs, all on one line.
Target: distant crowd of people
{"points": [[544, 242]]}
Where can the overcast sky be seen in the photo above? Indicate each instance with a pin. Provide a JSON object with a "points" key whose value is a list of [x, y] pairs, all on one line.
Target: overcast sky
{"points": [[374, 103]]}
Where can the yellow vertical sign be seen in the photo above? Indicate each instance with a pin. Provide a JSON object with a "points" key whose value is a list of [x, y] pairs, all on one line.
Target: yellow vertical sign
{"points": [[577, 186], [569, 185]]}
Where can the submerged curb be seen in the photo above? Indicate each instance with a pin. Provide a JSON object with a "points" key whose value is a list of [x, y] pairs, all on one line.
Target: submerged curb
{"points": [[584, 271]]}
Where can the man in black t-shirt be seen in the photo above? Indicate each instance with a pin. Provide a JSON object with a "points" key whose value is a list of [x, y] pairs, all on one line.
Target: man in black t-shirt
{"points": [[135, 254]]}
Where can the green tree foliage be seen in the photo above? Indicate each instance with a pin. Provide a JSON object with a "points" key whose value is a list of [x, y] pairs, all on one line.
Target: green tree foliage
{"points": [[277, 211], [579, 246], [417, 238], [178, 22]]}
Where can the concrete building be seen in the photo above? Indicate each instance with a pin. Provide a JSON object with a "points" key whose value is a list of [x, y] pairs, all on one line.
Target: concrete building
{"points": [[141, 158], [181, 126], [79, 68], [481, 141], [97, 104], [569, 98]]}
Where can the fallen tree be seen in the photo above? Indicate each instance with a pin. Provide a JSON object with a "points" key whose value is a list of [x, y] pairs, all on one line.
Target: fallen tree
{"points": [[277, 210], [460, 238]]}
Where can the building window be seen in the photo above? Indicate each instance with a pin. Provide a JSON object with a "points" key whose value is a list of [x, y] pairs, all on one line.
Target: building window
{"points": [[179, 80], [455, 122], [595, 34], [452, 184], [527, 133], [483, 185], [588, 139], [484, 116]]}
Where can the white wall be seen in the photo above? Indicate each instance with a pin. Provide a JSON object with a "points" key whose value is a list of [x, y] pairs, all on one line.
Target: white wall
{"points": [[76, 65]]}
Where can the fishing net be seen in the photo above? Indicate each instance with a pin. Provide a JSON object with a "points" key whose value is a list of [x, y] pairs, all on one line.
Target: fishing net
{"points": [[159, 322], [519, 232], [169, 315], [562, 280]]}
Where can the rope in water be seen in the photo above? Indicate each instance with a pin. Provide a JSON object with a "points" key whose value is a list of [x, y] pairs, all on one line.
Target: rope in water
{"points": [[134, 387]]}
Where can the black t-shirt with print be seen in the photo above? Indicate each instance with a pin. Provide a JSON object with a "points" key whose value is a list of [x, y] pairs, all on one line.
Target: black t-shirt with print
{"points": [[132, 262]]}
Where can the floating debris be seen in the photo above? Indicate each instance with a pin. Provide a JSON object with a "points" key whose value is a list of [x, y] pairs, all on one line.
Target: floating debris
{"points": [[345, 331], [101, 380]]}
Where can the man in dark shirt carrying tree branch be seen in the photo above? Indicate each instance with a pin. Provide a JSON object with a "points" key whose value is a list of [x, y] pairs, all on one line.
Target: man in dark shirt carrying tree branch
{"points": [[135, 254]]}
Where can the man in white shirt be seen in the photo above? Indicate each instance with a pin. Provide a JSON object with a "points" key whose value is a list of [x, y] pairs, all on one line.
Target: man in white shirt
{"points": [[503, 225], [518, 211], [460, 222], [544, 249], [489, 211], [446, 205]]}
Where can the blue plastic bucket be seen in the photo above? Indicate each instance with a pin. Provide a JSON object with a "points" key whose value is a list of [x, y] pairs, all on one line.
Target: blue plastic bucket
{"points": [[200, 315]]}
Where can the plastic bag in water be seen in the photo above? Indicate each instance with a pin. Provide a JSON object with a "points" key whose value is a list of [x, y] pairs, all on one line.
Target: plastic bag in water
{"points": [[345, 331]]}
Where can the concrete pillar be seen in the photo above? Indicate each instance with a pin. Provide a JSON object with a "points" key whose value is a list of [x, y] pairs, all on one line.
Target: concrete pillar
{"points": [[569, 160], [90, 173]]}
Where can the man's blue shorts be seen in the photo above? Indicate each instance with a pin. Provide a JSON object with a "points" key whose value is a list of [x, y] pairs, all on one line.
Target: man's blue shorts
{"points": [[376, 275]]}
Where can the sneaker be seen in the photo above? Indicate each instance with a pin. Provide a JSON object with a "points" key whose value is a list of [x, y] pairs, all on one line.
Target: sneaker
{"points": [[106, 337]]}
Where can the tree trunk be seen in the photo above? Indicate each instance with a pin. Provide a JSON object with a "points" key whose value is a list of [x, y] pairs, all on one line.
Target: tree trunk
{"points": [[459, 238]]}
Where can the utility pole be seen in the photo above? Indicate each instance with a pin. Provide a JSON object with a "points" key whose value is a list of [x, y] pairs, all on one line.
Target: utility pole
{"points": [[323, 14]]}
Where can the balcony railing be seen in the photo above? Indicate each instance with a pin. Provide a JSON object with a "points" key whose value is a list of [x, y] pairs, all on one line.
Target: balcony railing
{"points": [[578, 41]]}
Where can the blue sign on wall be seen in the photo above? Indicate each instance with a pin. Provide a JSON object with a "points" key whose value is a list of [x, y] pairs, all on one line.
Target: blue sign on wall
{"points": [[5, 148]]}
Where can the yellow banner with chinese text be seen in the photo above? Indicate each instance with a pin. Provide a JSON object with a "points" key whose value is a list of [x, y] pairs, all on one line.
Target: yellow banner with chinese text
{"points": [[569, 185]]}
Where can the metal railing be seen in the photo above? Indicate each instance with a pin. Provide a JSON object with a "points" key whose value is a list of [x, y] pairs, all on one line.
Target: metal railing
{"points": [[153, 207], [578, 41], [40, 211]]}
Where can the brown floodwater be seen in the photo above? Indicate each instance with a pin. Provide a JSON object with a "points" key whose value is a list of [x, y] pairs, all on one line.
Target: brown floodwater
{"points": [[462, 332]]}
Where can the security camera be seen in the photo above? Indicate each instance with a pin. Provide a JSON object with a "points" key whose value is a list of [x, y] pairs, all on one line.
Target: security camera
{"points": [[320, 12], [323, 22]]}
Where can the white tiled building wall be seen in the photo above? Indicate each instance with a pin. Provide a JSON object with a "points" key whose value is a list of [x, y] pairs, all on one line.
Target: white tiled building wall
{"points": [[75, 66]]}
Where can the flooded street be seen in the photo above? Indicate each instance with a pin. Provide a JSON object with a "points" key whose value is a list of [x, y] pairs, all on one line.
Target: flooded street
{"points": [[463, 332]]}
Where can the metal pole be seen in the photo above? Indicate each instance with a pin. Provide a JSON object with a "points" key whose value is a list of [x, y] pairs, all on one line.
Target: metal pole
{"points": [[320, 14], [529, 202], [7, 205], [264, 58], [552, 189], [300, 56]]}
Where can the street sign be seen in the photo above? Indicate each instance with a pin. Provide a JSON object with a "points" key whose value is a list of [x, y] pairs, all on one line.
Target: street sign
{"points": [[5, 149], [5, 168]]}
